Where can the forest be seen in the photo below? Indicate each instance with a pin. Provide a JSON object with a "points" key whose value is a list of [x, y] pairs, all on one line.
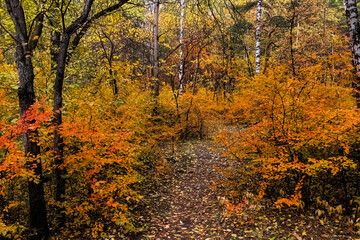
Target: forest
{"points": [[179, 119]]}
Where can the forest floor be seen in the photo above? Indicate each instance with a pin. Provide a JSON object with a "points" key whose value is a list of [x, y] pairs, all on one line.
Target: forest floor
{"points": [[189, 204]]}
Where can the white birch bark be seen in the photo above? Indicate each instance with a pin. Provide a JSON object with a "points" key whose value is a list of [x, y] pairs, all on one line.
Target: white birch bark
{"points": [[258, 36], [297, 32], [352, 16], [181, 40], [156, 48]]}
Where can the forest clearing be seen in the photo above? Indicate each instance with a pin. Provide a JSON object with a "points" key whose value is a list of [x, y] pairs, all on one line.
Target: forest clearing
{"points": [[179, 119]]}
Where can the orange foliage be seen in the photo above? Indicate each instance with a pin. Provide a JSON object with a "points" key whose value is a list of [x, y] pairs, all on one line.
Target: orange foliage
{"points": [[289, 129]]}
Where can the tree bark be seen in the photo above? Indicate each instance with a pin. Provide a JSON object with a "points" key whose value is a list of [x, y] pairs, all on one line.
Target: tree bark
{"points": [[82, 23], [181, 40], [258, 37], [38, 214], [110, 58], [156, 86], [352, 18], [60, 170], [292, 51], [267, 48], [60, 56]]}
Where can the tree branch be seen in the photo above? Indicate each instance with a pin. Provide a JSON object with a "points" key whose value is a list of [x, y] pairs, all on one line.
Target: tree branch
{"points": [[18, 17], [80, 20], [12, 36], [35, 35], [88, 23]]}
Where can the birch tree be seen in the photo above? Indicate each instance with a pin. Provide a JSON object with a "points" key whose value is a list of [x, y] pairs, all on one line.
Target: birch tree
{"points": [[181, 41], [156, 49], [352, 18], [258, 36]]}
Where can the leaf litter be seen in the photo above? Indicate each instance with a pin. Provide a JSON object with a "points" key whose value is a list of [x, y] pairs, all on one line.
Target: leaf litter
{"points": [[189, 204]]}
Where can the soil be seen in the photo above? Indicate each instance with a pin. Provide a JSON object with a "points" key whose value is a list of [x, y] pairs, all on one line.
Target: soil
{"points": [[190, 204]]}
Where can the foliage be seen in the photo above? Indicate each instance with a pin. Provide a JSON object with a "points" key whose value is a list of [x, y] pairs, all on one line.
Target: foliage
{"points": [[293, 129], [102, 162], [297, 136]]}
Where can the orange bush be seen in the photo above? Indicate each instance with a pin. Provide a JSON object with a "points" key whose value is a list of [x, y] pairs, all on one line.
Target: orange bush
{"points": [[297, 135]]}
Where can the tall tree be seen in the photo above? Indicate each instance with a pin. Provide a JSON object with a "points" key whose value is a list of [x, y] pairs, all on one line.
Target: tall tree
{"points": [[70, 38], [258, 36], [25, 44], [156, 48], [181, 41], [63, 38], [352, 18], [61, 55]]}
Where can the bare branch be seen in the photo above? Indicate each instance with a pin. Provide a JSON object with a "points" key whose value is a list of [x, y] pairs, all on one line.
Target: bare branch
{"points": [[80, 20], [88, 23], [12, 36], [35, 36]]}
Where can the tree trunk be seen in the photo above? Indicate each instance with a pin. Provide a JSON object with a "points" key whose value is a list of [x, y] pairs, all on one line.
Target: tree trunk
{"points": [[156, 49], [111, 72], [352, 17], [181, 55], [258, 37], [60, 170], [61, 56], [267, 48], [110, 58], [292, 51], [38, 214], [78, 28]]}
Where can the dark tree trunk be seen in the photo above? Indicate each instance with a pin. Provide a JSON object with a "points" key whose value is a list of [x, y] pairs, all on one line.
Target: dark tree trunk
{"points": [[111, 72], [292, 21], [292, 26], [60, 170], [38, 215], [110, 58], [267, 48], [61, 55], [38, 218]]}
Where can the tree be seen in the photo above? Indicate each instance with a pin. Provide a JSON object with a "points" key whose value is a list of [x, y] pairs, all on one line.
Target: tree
{"points": [[181, 40], [352, 18], [62, 39], [26, 42], [156, 49], [77, 28], [258, 36]]}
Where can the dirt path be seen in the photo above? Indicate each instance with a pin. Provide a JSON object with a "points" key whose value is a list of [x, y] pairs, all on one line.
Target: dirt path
{"points": [[188, 203]]}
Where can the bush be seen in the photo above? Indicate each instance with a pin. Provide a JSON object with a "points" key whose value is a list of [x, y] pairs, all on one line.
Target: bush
{"points": [[298, 139]]}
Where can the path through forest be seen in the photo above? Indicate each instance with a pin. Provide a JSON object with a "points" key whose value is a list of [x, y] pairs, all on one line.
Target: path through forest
{"points": [[189, 205]]}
